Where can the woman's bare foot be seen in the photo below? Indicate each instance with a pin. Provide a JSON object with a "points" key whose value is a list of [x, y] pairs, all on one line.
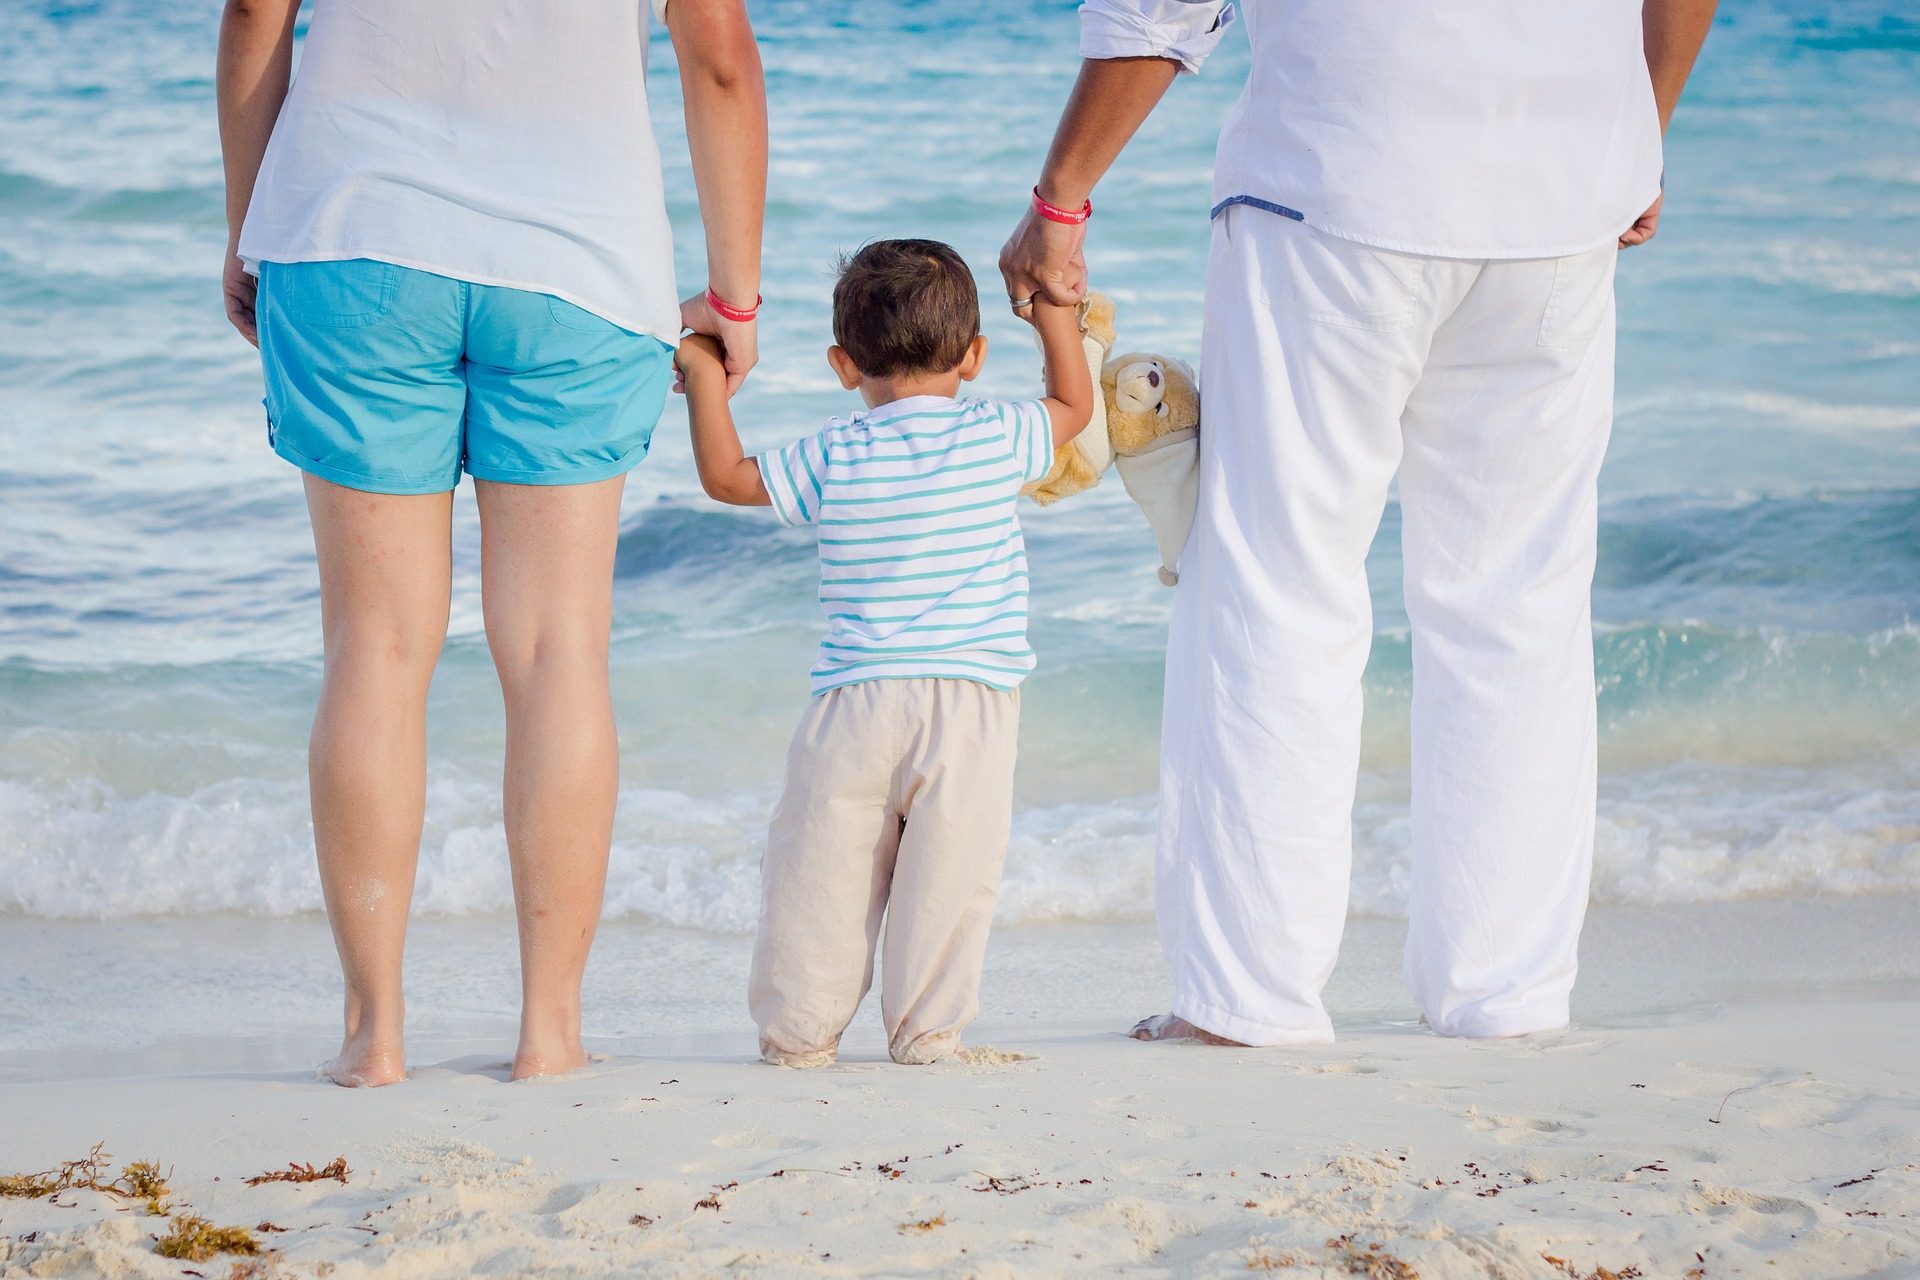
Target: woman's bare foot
{"points": [[1168, 1026], [556, 1059], [365, 1064]]}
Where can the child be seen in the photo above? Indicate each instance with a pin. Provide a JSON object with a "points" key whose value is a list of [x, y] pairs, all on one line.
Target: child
{"points": [[899, 790]]}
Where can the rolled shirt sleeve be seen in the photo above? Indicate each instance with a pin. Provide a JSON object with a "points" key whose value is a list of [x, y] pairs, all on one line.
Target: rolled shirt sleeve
{"points": [[794, 477], [1182, 30], [1030, 436]]}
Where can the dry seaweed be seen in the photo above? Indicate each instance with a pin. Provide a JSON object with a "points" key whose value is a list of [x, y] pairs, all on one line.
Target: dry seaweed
{"points": [[1598, 1273], [337, 1171], [925, 1224], [194, 1239], [141, 1180], [1371, 1261]]}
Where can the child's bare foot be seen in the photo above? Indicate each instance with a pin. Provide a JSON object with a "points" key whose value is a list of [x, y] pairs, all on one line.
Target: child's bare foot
{"points": [[812, 1058], [1169, 1026], [365, 1063]]}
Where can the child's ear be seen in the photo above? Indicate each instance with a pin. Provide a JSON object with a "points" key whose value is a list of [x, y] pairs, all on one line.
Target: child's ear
{"points": [[844, 368], [975, 359]]}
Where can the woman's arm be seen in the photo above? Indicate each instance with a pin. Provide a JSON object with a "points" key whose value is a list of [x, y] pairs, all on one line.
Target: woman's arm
{"points": [[1110, 101], [726, 103], [254, 68]]}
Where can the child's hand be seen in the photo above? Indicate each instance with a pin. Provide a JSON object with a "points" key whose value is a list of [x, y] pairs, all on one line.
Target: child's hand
{"points": [[699, 357]]}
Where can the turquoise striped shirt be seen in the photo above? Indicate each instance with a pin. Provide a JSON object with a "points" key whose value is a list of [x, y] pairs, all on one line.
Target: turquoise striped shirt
{"points": [[923, 571]]}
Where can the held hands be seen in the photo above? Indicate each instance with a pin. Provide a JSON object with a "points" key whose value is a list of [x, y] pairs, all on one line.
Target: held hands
{"points": [[1047, 259], [701, 359], [738, 341]]}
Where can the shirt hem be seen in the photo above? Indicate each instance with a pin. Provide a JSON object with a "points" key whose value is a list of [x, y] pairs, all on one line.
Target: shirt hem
{"points": [[864, 677], [631, 323], [1422, 249]]}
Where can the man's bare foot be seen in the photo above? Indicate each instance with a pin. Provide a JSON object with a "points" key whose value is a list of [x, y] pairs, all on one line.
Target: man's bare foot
{"points": [[365, 1065], [548, 1060], [1168, 1026]]}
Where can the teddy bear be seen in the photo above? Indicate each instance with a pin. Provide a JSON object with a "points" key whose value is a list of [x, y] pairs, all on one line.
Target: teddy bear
{"points": [[1146, 424]]}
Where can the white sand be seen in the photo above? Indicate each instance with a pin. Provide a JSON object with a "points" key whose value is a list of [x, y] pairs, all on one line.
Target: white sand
{"points": [[1097, 1156]]}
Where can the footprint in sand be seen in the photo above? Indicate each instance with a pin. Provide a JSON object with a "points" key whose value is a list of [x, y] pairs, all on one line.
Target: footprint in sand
{"points": [[757, 1139]]}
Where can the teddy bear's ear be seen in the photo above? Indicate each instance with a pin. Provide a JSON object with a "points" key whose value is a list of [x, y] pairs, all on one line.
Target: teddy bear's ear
{"points": [[1096, 319]]}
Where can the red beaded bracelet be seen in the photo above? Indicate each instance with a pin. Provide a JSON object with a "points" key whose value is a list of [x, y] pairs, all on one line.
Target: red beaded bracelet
{"points": [[726, 312], [1054, 213]]}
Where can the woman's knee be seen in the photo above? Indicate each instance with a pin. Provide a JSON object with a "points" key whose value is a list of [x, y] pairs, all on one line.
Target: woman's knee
{"points": [[384, 649], [550, 657]]}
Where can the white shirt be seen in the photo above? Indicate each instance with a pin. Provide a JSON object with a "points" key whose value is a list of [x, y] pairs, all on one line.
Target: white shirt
{"points": [[1457, 128], [923, 569], [501, 142]]}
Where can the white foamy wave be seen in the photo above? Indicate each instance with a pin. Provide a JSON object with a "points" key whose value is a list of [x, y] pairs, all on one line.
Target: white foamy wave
{"points": [[1689, 833]]}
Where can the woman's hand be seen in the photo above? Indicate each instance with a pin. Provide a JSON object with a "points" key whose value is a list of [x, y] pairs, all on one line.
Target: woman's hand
{"points": [[1047, 259], [740, 339], [241, 291]]}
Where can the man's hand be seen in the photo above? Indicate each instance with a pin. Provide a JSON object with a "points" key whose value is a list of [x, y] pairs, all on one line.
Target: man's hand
{"points": [[1045, 259], [1644, 226], [241, 291], [738, 342], [1110, 99]]}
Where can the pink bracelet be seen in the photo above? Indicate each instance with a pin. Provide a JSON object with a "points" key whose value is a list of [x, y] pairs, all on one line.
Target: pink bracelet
{"points": [[1054, 213], [736, 314]]}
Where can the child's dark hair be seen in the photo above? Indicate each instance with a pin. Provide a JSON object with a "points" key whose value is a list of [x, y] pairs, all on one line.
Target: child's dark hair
{"points": [[905, 306]]}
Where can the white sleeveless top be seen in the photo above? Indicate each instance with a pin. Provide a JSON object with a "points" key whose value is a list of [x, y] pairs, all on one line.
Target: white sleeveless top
{"points": [[502, 142]]}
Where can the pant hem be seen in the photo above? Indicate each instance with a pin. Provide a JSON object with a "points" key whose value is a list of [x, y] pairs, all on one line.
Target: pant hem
{"points": [[392, 486], [1254, 1034], [1526, 1022]]}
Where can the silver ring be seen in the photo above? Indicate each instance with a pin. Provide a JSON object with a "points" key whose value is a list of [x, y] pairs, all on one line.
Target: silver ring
{"points": [[1022, 303]]}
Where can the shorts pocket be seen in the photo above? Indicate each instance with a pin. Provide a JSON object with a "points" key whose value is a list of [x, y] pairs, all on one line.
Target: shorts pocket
{"points": [[1343, 283], [1577, 300], [568, 316], [336, 295]]}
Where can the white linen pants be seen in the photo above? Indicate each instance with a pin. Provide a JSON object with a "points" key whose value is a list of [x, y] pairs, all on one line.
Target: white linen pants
{"points": [[1488, 387]]}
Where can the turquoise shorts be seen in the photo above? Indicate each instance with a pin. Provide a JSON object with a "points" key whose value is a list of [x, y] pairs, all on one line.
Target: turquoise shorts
{"points": [[393, 380]]}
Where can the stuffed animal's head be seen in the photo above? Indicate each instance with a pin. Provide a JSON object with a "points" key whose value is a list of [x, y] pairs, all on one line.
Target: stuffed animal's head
{"points": [[1148, 397]]}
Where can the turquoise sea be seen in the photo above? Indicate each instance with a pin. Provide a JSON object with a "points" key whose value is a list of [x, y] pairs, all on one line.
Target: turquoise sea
{"points": [[1758, 585]]}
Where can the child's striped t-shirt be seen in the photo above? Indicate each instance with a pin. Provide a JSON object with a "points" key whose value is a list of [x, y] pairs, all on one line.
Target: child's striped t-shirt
{"points": [[923, 571]]}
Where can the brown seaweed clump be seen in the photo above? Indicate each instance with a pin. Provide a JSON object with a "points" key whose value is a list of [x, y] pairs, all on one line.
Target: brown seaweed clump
{"points": [[194, 1239], [337, 1171], [141, 1180]]}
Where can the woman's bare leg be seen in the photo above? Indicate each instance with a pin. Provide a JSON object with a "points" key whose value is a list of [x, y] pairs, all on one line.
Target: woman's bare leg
{"points": [[547, 573], [385, 571]]}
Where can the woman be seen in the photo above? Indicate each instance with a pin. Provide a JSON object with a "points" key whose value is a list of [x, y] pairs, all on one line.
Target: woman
{"points": [[449, 241]]}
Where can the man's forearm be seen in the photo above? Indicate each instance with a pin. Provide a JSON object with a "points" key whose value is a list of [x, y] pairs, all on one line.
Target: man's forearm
{"points": [[726, 104], [1111, 99], [255, 65], [1674, 31]]}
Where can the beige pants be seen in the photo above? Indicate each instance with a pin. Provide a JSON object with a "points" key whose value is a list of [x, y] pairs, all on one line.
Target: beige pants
{"points": [[898, 802]]}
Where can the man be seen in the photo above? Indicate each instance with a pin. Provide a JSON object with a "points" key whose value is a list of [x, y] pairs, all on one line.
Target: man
{"points": [[1415, 214]]}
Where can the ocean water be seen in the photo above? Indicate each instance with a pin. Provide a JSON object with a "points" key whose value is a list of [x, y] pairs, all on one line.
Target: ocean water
{"points": [[1758, 585]]}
